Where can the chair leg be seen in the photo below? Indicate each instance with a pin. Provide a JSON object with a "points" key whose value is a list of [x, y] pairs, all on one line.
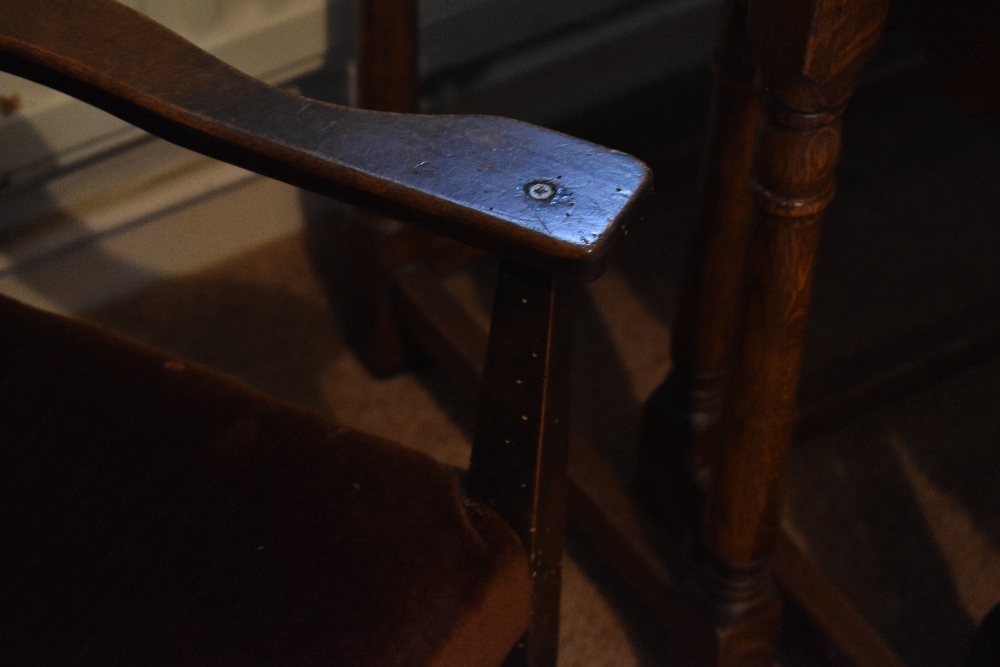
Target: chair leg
{"points": [[357, 258], [388, 78], [520, 447], [677, 433], [809, 71]]}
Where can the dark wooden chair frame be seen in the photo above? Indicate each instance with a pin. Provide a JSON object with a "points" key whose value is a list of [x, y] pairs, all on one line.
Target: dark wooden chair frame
{"points": [[416, 169]]}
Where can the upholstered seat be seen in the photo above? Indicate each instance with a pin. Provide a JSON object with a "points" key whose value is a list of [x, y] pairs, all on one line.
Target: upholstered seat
{"points": [[156, 512]]}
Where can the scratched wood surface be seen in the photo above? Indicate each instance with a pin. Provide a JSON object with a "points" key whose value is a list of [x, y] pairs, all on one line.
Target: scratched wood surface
{"points": [[532, 194], [908, 241]]}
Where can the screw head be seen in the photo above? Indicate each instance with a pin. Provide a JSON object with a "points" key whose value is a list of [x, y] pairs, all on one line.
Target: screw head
{"points": [[540, 190]]}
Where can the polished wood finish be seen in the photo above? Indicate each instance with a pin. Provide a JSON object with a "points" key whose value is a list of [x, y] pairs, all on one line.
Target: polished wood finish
{"points": [[729, 610], [808, 70], [597, 503], [646, 558], [725, 610], [809, 56], [546, 201], [356, 256], [520, 448], [370, 247], [463, 176]]}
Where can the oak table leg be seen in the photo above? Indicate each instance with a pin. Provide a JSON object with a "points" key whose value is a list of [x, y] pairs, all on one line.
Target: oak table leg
{"points": [[677, 433], [810, 55]]}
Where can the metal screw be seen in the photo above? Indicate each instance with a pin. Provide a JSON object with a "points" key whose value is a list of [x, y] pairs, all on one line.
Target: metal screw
{"points": [[540, 190]]}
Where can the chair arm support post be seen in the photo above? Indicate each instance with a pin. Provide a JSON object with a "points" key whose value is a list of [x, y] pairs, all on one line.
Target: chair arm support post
{"points": [[520, 446]]}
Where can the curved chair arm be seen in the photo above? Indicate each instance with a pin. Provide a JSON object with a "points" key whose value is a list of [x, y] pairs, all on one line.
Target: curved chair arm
{"points": [[468, 177]]}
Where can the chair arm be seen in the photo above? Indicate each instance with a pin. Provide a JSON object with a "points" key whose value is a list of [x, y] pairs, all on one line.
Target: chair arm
{"points": [[468, 177]]}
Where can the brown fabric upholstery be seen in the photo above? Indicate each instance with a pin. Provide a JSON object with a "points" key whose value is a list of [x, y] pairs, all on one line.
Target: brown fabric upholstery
{"points": [[154, 513]]}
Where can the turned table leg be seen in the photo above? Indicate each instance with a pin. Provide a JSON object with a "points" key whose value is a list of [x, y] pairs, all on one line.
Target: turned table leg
{"points": [[677, 440], [810, 54]]}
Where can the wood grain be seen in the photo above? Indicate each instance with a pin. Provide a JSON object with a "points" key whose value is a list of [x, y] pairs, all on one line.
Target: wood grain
{"points": [[520, 449], [810, 55], [462, 176], [646, 558], [357, 255]]}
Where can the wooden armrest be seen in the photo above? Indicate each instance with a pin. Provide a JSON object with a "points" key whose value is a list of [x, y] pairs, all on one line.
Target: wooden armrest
{"points": [[469, 177]]}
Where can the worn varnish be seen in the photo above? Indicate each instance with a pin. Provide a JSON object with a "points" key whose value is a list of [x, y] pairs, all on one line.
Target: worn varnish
{"points": [[520, 447], [728, 430], [356, 255], [546, 201], [464, 176], [808, 71], [645, 557]]}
